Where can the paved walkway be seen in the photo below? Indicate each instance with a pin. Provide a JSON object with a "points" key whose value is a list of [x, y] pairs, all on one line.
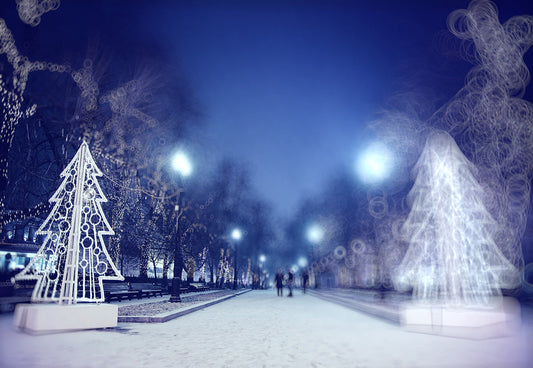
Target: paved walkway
{"points": [[385, 306], [259, 329]]}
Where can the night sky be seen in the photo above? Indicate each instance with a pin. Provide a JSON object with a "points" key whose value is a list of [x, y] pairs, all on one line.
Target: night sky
{"points": [[288, 87]]}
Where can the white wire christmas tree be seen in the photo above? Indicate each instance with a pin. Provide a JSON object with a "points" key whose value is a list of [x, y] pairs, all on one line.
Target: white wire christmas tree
{"points": [[452, 256], [73, 261]]}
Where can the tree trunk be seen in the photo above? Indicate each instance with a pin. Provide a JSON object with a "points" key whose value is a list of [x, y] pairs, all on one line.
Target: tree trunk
{"points": [[166, 265], [191, 265], [155, 268], [143, 264]]}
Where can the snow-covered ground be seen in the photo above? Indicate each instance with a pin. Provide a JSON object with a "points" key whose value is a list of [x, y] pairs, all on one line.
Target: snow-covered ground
{"points": [[259, 329]]}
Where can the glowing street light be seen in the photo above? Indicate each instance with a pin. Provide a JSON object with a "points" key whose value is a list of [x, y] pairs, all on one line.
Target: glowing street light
{"points": [[315, 233], [260, 282], [302, 262], [375, 163], [236, 235], [182, 164]]}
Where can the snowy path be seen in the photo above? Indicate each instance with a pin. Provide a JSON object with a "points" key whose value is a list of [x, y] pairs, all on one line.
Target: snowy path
{"points": [[258, 329]]}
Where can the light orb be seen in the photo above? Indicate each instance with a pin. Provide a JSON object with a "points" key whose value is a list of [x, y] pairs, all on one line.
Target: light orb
{"points": [[236, 234], [182, 164], [375, 163], [302, 262], [315, 233]]}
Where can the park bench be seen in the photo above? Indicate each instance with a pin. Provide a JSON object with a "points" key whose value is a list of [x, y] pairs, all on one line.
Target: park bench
{"points": [[196, 286], [146, 289], [184, 288], [119, 290]]}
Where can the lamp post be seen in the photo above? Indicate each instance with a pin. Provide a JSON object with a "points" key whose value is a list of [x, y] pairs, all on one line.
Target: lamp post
{"points": [[183, 166], [315, 235], [236, 235], [262, 272], [374, 165]]}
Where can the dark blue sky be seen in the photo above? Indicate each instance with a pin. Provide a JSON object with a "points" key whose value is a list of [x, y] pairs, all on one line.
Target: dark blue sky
{"points": [[288, 87]]}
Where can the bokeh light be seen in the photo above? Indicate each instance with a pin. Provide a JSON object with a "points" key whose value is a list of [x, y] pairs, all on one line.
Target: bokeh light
{"points": [[375, 163], [182, 164], [236, 234], [315, 233]]}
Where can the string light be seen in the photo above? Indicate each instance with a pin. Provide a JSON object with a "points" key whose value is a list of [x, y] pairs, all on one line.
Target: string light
{"points": [[30, 11]]}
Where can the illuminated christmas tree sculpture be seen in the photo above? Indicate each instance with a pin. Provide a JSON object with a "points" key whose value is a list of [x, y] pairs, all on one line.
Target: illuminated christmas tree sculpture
{"points": [[73, 261], [452, 257]]}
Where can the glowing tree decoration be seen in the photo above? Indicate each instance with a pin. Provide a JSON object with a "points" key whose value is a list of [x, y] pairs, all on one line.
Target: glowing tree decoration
{"points": [[452, 256], [488, 117], [73, 261]]}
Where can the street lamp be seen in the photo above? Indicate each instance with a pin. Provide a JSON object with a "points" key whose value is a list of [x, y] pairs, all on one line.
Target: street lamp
{"points": [[375, 163], [302, 262], [315, 233], [261, 272], [183, 166], [236, 235]]}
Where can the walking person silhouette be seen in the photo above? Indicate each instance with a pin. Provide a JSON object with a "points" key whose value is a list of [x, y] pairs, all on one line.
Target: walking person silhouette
{"points": [[290, 281], [279, 282], [305, 280]]}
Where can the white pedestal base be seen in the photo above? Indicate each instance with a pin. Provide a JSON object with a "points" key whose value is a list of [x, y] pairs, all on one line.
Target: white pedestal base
{"points": [[500, 319], [43, 318]]}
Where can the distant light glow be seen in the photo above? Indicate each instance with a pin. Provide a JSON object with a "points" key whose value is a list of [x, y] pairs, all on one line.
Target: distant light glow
{"points": [[294, 268], [375, 163], [182, 164], [236, 234], [315, 233], [302, 262], [262, 258]]}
